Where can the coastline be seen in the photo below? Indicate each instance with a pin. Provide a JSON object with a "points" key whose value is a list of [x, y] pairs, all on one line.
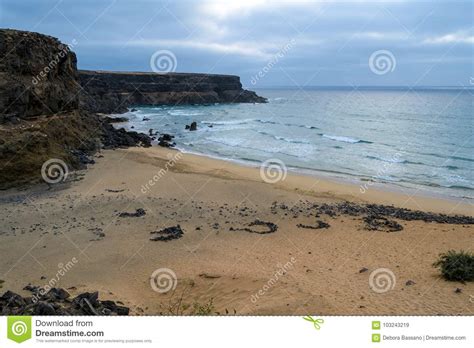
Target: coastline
{"points": [[304, 134], [323, 184], [217, 259]]}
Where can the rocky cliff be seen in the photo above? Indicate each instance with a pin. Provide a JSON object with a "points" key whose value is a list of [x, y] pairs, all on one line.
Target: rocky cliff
{"points": [[40, 117], [38, 75], [115, 92]]}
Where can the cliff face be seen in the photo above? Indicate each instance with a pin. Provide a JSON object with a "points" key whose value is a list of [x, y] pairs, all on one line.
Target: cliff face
{"points": [[45, 114], [114, 92], [40, 118], [38, 75]]}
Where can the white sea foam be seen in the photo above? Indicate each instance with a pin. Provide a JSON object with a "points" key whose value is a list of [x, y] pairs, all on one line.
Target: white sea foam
{"points": [[345, 139], [388, 159], [232, 122], [184, 113]]}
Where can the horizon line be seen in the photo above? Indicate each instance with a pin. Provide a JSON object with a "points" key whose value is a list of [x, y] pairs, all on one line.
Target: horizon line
{"points": [[360, 86]]}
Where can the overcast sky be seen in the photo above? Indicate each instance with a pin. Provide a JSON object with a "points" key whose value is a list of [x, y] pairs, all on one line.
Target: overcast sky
{"points": [[267, 43]]}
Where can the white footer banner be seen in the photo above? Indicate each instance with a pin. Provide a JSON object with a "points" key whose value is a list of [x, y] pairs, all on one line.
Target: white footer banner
{"points": [[235, 331]]}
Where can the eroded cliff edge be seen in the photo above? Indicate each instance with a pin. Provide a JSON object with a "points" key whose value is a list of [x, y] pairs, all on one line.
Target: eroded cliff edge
{"points": [[115, 92], [49, 109], [40, 116]]}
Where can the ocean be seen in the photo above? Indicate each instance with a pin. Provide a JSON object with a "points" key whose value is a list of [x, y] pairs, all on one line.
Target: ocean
{"points": [[410, 139]]}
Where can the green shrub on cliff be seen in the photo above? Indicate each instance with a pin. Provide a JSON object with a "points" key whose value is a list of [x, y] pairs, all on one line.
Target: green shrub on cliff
{"points": [[456, 265]]}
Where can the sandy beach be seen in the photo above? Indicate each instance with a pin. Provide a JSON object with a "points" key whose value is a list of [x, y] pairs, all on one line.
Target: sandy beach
{"points": [[219, 262]]}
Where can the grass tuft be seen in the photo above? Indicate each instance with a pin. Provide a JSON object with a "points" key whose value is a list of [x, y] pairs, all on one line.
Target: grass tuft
{"points": [[456, 265]]}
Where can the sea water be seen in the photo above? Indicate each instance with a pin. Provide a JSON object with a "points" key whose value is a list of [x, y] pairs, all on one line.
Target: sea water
{"points": [[420, 139]]}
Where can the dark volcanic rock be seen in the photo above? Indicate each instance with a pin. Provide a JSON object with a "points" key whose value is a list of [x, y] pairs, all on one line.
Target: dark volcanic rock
{"points": [[375, 211], [38, 76], [319, 224], [166, 137], [270, 227], [168, 233], [44, 308], [139, 212], [119, 119], [166, 140], [58, 294], [380, 223], [375, 216], [113, 138], [11, 299], [56, 302], [115, 92]]}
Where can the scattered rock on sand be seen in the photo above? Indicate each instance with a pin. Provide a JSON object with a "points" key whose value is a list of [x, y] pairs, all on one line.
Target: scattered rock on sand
{"points": [[270, 227], [209, 276], [139, 212], [56, 302], [98, 233], [363, 269], [380, 223], [319, 224], [114, 191], [168, 233], [379, 212]]}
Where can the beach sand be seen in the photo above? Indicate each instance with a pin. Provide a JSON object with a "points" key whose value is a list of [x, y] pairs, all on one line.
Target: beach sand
{"points": [[239, 272]]}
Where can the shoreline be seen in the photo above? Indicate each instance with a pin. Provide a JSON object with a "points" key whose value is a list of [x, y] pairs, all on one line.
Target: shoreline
{"points": [[314, 183], [401, 195]]}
